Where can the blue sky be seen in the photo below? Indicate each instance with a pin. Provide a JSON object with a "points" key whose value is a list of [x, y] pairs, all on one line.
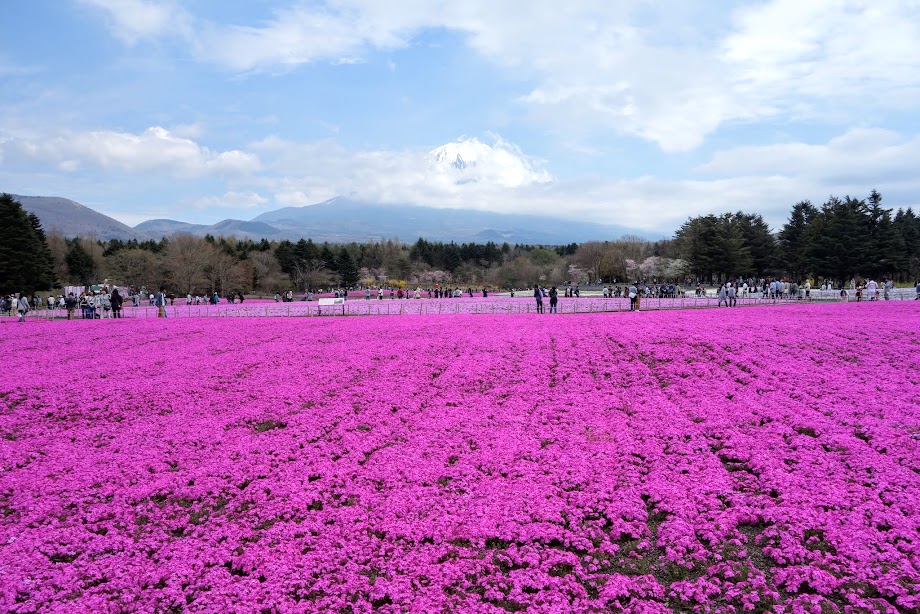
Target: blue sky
{"points": [[641, 113]]}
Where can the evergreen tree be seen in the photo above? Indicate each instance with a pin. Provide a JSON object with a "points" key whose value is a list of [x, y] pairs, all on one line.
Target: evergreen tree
{"points": [[348, 270], [286, 257], [907, 226], [839, 249], [451, 259], [26, 264], [732, 253], [760, 241], [79, 263], [329, 259], [698, 243], [306, 250], [885, 253], [43, 260], [795, 239]]}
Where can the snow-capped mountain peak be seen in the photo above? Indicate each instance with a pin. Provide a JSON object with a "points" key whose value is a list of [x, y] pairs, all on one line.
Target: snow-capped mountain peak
{"points": [[460, 154], [469, 160]]}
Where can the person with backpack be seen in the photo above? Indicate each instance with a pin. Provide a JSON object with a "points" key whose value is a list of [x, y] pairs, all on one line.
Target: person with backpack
{"points": [[104, 305]]}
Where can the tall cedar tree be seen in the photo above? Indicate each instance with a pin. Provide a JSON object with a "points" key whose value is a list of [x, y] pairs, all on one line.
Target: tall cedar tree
{"points": [[79, 263], [26, 263], [348, 270]]}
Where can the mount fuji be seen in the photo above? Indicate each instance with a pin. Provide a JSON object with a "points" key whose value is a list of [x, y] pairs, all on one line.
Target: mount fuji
{"points": [[344, 219], [470, 160]]}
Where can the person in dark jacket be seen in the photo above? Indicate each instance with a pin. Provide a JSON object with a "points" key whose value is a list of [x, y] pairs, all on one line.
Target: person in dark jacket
{"points": [[116, 300], [553, 299], [538, 296], [71, 303]]}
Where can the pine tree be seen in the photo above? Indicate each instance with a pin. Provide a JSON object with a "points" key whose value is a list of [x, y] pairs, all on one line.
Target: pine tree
{"points": [[348, 270], [43, 260], [26, 264], [795, 238], [328, 258], [760, 240], [80, 263]]}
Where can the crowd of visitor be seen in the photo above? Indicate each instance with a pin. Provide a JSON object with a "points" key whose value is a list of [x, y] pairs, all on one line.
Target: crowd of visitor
{"points": [[105, 302]]}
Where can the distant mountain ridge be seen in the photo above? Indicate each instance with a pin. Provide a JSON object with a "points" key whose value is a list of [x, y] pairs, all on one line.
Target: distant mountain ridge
{"points": [[72, 219], [342, 219], [336, 220]]}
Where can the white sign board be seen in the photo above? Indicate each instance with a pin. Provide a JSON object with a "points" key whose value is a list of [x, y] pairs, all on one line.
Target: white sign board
{"points": [[331, 301]]}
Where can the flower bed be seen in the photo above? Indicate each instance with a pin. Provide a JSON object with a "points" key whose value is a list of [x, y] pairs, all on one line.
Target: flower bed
{"points": [[713, 460]]}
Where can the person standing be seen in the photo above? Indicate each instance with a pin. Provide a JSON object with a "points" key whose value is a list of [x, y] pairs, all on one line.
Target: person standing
{"points": [[91, 306], [538, 296], [553, 299], [22, 306], [723, 296], [106, 305], [633, 297], [732, 296], [117, 302], [71, 303], [160, 302]]}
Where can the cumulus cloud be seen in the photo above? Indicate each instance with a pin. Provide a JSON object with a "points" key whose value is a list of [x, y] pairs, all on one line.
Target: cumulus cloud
{"points": [[767, 180], [849, 55], [669, 72], [156, 150], [299, 174]]}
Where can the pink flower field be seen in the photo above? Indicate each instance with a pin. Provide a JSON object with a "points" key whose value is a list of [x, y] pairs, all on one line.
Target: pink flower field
{"points": [[762, 459]]}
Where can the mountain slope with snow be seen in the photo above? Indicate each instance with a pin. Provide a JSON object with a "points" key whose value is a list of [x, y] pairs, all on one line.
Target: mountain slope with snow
{"points": [[470, 160]]}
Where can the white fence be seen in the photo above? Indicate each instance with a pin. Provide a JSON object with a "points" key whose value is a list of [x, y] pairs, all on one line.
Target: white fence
{"points": [[448, 306]]}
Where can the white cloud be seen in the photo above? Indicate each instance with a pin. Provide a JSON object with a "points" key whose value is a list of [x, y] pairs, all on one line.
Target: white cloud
{"points": [[295, 36], [669, 72], [156, 150], [766, 180], [187, 131], [231, 200], [133, 20], [849, 55], [859, 155], [300, 174]]}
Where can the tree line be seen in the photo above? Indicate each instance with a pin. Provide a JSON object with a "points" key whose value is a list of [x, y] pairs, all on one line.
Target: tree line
{"points": [[841, 239]]}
